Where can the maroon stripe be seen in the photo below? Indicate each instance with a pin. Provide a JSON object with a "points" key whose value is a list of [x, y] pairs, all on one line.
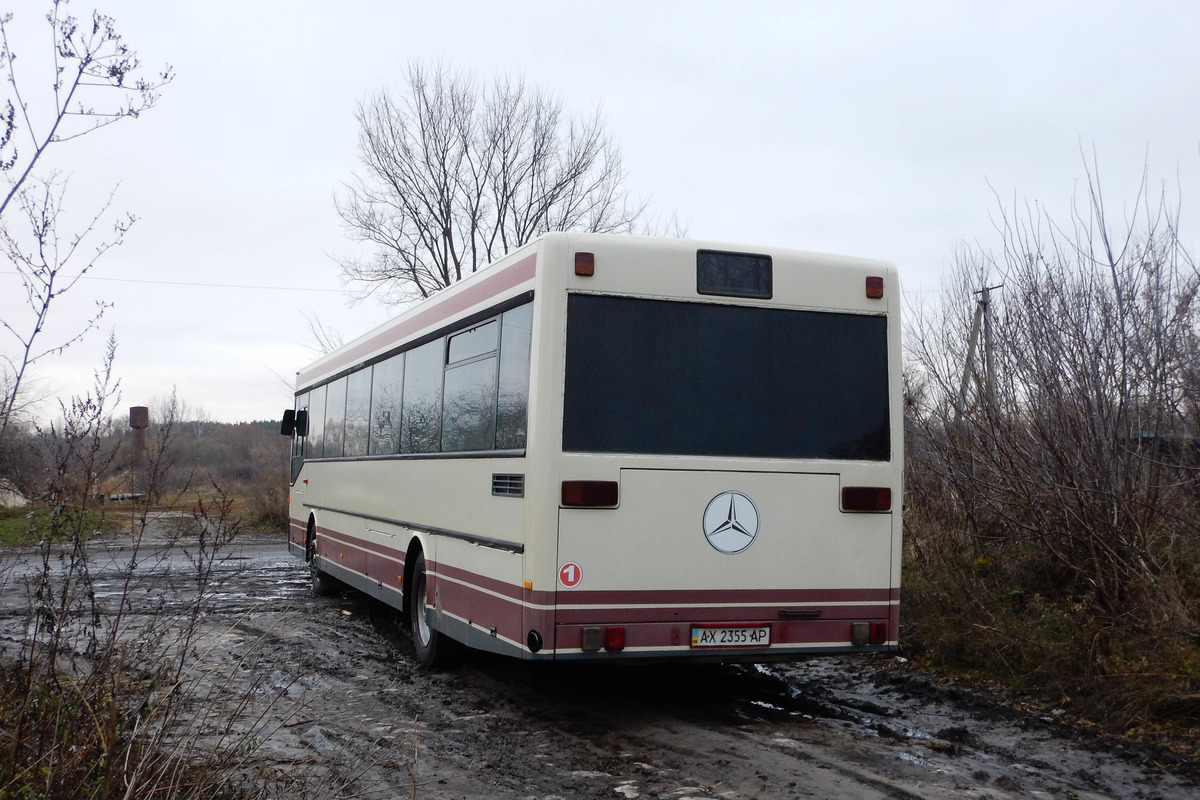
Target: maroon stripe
{"points": [[354, 541], [348, 557], [668, 597], [709, 613], [668, 602], [485, 289], [510, 591], [481, 609], [297, 531]]}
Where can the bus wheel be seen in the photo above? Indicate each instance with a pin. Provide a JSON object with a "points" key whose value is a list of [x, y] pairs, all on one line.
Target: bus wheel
{"points": [[433, 648], [321, 584]]}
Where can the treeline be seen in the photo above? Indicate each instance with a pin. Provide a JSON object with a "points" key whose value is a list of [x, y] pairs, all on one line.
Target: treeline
{"points": [[1053, 467], [172, 462], [248, 460]]}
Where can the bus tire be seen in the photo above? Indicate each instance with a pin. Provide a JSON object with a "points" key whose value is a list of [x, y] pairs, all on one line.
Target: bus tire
{"points": [[433, 648], [320, 583]]}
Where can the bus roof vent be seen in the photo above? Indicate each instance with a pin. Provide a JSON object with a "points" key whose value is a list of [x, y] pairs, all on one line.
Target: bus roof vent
{"points": [[508, 485]]}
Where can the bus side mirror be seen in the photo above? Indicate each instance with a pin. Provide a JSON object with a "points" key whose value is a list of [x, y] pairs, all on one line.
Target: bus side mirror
{"points": [[294, 422]]}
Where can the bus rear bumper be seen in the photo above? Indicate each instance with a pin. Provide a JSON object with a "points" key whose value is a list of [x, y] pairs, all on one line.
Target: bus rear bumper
{"points": [[694, 641]]}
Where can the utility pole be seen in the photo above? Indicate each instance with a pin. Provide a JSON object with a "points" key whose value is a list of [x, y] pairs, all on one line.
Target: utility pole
{"points": [[985, 389]]}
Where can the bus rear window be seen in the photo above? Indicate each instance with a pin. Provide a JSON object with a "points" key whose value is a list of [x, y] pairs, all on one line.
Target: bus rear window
{"points": [[682, 378], [733, 274]]}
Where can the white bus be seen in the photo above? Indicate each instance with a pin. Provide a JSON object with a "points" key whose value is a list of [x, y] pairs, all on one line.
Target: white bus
{"points": [[606, 447]]}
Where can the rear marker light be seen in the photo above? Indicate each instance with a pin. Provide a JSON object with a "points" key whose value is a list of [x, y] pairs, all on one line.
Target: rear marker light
{"points": [[866, 498], [865, 633], [589, 494], [614, 639], [875, 287], [585, 264]]}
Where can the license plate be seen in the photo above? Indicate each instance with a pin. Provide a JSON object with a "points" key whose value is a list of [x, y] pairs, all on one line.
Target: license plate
{"points": [[742, 636]]}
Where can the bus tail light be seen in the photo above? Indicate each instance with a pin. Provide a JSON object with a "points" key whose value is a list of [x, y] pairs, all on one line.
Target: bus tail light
{"points": [[866, 498], [875, 287], [585, 264], [865, 633], [593, 636], [589, 494]]}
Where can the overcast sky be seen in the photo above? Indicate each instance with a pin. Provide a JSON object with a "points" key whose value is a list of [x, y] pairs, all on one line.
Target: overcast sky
{"points": [[883, 130]]}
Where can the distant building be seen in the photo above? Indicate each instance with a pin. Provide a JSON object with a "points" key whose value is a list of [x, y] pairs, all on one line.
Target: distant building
{"points": [[10, 497]]}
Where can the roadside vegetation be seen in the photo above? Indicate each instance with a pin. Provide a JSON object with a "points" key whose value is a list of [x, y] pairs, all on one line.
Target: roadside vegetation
{"points": [[199, 460], [99, 694], [25, 525], [1053, 483]]}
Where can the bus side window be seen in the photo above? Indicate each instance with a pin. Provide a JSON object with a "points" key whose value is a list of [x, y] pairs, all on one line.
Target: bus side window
{"points": [[421, 427], [358, 412], [335, 418], [387, 391], [515, 339], [314, 443]]}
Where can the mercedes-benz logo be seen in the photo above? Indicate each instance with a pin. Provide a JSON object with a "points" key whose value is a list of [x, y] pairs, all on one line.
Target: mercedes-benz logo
{"points": [[730, 522]]}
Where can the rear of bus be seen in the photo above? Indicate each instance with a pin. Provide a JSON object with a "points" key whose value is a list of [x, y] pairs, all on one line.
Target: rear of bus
{"points": [[727, 462]]}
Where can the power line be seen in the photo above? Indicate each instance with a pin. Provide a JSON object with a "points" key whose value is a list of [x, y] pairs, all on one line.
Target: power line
{"points": [[206, 285]]}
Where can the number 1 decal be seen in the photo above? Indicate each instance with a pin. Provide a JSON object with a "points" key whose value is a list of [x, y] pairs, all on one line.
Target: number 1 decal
{"points": [[570, 574]]}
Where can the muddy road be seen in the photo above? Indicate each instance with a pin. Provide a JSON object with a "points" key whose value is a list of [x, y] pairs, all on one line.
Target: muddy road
{"points": [[336, 707]]}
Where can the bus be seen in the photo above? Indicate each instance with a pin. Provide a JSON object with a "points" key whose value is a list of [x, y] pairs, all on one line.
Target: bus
{"points": [[613, 448]]}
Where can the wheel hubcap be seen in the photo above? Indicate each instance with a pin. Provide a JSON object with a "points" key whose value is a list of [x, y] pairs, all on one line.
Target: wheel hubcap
{"points": [[422, 624]]}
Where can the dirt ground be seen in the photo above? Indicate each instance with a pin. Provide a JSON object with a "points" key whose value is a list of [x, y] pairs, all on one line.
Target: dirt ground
{"points": [[337, 707]]}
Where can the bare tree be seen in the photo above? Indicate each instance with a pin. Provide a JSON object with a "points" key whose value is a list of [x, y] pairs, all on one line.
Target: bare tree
{"points": [[323, 338], [95, 83], [455, 174], [1063, 506]]}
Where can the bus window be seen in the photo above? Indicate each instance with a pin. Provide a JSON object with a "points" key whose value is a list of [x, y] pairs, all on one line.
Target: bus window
{"points": [[473, 343], [358, 411], [421, 426], [515, 338], [469, 406], [335, 418], [469, 396], [677, 378], [315, 445], [386, 393]]}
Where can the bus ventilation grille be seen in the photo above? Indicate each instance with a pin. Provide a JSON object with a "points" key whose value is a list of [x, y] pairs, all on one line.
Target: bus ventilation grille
{"points": [[508, 485]]}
